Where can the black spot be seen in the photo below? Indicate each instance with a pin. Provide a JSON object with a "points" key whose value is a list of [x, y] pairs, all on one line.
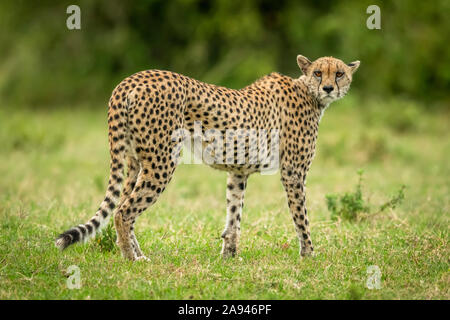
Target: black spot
{"points": [[82, 229], [75, 234], [95, 223]]}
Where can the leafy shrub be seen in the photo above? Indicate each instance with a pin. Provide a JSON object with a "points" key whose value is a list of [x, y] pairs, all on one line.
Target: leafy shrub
{"points": [[106, 240], [396, 200], [352, 207]]}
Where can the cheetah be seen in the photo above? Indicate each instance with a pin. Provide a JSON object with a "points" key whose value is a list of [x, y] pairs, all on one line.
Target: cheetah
{"points": [[147, 110]]}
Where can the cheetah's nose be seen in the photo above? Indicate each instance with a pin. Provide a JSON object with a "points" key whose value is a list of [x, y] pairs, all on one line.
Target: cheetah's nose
{"points": [[328, 89]]}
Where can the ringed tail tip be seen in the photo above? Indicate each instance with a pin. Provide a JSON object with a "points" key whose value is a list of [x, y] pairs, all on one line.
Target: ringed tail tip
{"points": [[66, 239]]}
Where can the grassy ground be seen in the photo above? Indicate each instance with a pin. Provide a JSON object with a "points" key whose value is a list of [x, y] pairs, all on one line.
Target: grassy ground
{"points": [[54, 166]]}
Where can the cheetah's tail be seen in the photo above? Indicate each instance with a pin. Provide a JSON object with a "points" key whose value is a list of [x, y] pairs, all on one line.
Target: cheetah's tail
{"points": [[84, 232]]}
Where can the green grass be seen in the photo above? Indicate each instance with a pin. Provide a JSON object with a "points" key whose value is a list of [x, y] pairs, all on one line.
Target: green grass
{"points": [[54, 167]]}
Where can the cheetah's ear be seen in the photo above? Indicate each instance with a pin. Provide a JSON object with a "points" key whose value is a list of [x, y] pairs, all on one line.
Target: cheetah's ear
{"points": [[303, 63], [354, 65]]}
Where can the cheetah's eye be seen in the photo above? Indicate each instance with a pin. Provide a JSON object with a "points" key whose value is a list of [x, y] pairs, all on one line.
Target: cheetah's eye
{"points": [[318, 74], [339, 74]]}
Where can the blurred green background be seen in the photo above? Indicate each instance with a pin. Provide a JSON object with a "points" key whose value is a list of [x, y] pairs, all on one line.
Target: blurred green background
{"points": [[55, 84], [231, 43]]}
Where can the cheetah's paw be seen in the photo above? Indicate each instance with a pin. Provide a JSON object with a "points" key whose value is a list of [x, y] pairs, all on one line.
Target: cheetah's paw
{"points": [[142, 258]]}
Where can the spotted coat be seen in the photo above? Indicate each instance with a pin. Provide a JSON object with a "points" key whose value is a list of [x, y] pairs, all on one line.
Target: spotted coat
{"points": [[147, 109]]}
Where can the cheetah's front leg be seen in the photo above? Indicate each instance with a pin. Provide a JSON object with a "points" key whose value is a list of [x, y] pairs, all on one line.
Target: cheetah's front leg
{"points": [[294, 186], [235, 201]]}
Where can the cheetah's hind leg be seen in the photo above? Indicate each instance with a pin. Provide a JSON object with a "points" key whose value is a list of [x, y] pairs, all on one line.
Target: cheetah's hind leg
{"points": [[149, 185], [133, 168]]}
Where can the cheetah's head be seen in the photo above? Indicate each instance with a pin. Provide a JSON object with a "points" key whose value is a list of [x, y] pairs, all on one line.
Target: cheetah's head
{"points": [[327, 78]]}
